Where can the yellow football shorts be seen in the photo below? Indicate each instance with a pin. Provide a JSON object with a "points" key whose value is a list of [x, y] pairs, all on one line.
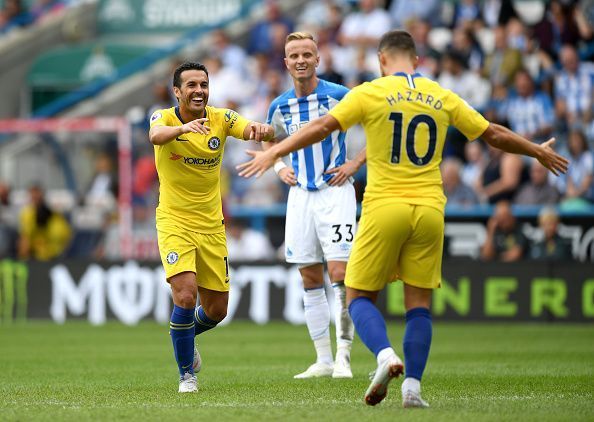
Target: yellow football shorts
{"points": [[397, 241], [203, 254]]}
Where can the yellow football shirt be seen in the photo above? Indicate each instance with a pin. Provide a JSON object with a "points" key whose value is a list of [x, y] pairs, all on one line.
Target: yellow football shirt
{"points": [[405, 118], [189, 169]]}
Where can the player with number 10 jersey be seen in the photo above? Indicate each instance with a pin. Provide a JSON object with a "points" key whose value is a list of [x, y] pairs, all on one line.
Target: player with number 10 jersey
{"points": [[405, 117]]}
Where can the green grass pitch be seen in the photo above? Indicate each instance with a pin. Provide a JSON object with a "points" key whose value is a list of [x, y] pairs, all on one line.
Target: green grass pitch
{"points": [[476, 372]]}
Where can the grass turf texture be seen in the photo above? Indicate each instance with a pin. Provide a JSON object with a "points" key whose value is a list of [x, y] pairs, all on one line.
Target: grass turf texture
{"points": [[476, 372]]}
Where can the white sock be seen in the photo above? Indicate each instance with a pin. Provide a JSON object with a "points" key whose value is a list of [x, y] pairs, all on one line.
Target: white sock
{"points": [[384, 354], [411, 384], [317, 318], [345, 330]]}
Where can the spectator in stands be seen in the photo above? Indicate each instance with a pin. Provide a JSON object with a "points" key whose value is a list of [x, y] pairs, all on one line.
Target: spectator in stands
{"points": [[497, 12], [144, 178], [573, 89], [564, 23], [428, 64], [143, 241], [362, 29], [276, 51], [7, 233], [44, 234], [474, 153], [162, 99], [329, 73], [501, 176], [538, 190], [103, 187], [465, 43], [470, 86], [13, 15], [517, 35], [456, 191], [502, 64], [465, 13], [261, 33], [232, 55], [552, 247], [576, 186], [246, 244], [539, 64], [270, 85], [362, 73], [226, 83], [329, 24], [402, 11], [505, 241], [321, 16], [528, 112]]}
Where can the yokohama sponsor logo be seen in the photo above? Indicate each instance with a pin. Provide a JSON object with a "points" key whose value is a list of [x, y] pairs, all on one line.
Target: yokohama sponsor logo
{"points": [[197, 161]]}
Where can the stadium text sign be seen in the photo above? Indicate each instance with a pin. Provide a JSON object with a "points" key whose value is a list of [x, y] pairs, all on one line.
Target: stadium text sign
{"points": [[126, 16], [132, 291]]}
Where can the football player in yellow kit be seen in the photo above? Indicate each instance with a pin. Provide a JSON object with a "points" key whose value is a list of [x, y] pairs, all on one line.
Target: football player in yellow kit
{"points": [[189, 141], [405, 117]]}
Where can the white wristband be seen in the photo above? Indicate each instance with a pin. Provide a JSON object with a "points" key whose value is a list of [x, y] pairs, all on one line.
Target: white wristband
{"points": [[278, 166]]}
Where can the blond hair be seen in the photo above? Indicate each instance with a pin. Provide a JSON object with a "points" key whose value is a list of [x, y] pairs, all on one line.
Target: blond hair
{"points": [[294, 36]]}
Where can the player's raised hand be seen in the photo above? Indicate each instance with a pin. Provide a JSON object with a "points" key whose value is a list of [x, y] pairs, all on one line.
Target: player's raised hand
{"points": [[262, 161], [342, 173], [551, 160], [287, 175], [197, 126], [260, 132]]}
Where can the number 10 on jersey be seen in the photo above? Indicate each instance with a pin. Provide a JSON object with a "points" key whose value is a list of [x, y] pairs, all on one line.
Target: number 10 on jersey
{"points": [[410, 139]]}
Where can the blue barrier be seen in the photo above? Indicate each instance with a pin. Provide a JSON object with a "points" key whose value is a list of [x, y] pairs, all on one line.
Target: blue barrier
{"points": [[257, 216]]}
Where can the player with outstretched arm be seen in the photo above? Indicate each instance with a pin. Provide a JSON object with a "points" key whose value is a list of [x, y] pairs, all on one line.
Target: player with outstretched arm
{"points": [[405, 117], [189, 141]]}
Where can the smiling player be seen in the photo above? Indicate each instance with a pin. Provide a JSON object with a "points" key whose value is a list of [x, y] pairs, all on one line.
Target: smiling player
{"points": [[189, 141]]}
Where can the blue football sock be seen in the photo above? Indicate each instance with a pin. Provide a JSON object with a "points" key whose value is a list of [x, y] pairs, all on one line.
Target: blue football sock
{"points": [[203, 323], [181, 329], [417, 341], [370, 324]]}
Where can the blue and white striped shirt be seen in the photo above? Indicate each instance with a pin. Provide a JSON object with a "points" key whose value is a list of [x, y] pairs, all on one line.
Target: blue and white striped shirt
{"points": [[527, 115], [287, 114], [576, 89]]}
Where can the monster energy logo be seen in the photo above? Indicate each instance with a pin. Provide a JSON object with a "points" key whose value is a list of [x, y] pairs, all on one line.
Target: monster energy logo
{"points": [[13, 291]]}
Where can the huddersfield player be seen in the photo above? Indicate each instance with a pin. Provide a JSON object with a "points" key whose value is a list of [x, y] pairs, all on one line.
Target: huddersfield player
{"points": [[190, 225], [321, 208], [405, 117]]}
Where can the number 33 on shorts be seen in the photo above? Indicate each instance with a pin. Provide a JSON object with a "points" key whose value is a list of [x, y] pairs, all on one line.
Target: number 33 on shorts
{"points": [[342, 231]]}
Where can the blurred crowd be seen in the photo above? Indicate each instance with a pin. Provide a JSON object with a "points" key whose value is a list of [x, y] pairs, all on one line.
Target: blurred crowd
{"points": [[525, 64], [19, 14]]}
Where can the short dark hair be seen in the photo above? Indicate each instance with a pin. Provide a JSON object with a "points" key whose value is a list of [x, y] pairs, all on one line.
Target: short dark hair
{"points": [[186, 66], [398, 41]]}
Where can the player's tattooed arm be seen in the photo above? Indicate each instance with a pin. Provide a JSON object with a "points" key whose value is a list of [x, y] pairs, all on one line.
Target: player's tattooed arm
{"points": [[161, 135], [348, 169]]}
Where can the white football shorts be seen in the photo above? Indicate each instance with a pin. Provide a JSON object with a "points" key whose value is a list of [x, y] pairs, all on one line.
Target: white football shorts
{"points": [[320, 225]]}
